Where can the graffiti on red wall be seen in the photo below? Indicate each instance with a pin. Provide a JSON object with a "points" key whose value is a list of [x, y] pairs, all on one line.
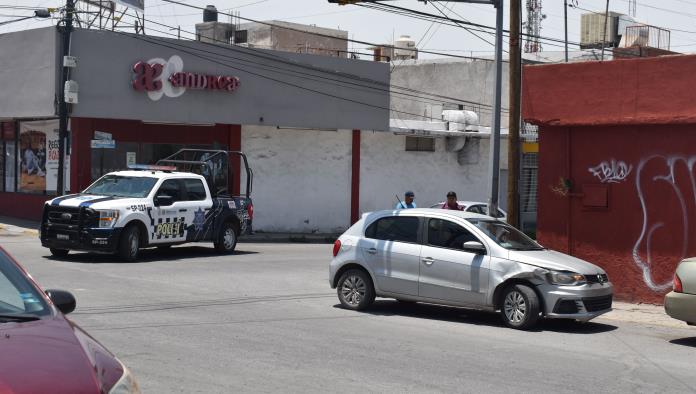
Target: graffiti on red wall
{"points": [[611, 171], [660, 181]]}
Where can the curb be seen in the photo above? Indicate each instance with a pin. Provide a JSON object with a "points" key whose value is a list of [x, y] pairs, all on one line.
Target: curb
{"points": [[289, 238], [14, 230]]}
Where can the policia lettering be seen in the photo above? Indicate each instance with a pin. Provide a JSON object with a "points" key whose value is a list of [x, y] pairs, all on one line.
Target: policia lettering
{"points": [[170, 229]]}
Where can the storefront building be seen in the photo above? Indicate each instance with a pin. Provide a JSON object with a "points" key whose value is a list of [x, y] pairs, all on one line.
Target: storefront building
{"points": [[142, 98]]}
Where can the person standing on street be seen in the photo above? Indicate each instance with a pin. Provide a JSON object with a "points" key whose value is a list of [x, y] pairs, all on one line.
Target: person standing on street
{"points": [[408, 201], [451, 202]]}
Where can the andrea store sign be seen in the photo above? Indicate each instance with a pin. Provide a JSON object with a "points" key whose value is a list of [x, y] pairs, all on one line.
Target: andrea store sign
{"points": [[159, 77]]}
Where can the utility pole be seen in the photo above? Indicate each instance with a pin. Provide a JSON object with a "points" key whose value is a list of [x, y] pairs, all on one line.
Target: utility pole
{"points": [[565, 20], [513, 196], [494, 166], [606, 21], [63, 106]]}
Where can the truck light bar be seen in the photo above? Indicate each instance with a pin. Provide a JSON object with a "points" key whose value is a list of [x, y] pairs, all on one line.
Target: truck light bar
{"points": [[151, 167]]}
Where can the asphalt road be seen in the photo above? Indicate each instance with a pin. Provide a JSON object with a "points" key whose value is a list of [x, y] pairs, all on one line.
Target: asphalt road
{"points": [[265, 320]]}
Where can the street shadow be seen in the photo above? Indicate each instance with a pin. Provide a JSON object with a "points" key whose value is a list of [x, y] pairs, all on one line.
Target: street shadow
{"points": [[149, 255], [691, 341], [480, 318]]}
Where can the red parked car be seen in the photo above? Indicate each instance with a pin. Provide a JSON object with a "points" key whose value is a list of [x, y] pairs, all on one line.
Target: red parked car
{"points": [[42, 351]]}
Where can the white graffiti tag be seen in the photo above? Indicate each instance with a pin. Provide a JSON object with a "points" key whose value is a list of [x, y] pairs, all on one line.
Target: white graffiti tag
{"points": [[611, 171], [656, 177]]}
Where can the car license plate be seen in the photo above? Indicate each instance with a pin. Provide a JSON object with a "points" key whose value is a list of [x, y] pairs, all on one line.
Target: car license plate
{"points": [[63, 236]]}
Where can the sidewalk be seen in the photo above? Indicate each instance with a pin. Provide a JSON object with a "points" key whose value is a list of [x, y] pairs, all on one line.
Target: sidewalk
{"points": [[649, 314], [14, 227]]}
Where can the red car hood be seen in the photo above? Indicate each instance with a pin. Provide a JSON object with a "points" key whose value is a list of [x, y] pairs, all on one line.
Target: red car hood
{"points": [[53, 355]]}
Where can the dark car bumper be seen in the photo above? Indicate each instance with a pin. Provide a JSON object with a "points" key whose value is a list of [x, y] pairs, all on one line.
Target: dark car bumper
{"points": [[91, 240]]}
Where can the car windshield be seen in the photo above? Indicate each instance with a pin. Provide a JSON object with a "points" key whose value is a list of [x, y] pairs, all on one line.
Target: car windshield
{"points": [[505, 235], [122, 186], [18, 297]]}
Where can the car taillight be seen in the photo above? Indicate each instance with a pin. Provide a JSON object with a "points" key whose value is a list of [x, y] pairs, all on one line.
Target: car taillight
{"points": [[677, 285], [250, 211], [337, 248]]}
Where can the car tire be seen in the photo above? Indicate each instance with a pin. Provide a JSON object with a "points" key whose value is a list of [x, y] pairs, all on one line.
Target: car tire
{"points": [[520, 307], [227, 239], [59, 252], [129, 244], [355, 290]]}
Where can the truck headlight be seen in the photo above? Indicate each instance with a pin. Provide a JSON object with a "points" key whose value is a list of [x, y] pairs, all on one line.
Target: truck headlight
{"points": [[126, 385], [566, 278], [107, 218]]}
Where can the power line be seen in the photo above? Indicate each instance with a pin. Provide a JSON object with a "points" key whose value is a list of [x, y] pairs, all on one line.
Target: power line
{"points": [[264, 55], [212, 60], [323, 35]]}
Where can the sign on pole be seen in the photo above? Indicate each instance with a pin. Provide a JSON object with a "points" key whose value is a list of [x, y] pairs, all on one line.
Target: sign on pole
{"points": [[137, 4]]}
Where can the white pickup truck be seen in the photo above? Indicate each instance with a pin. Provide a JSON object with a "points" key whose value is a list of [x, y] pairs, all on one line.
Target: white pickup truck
{"points": [[153, 206]]}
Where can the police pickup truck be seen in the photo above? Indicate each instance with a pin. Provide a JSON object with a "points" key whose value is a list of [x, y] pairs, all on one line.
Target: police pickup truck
{"points": [[153, 206]]}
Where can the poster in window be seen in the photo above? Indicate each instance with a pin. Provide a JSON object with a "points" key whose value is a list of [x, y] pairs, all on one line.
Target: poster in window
{"points": [[38, 157]]}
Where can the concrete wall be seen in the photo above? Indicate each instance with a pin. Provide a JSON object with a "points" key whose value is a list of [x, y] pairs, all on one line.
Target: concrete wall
{"points": [[291, 40], [28, 78], [470, 80], [387, 169], [276, 88], [301, 179]]}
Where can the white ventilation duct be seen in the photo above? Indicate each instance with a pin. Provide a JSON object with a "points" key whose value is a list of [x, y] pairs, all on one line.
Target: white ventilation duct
{"points": [[460, 120]]}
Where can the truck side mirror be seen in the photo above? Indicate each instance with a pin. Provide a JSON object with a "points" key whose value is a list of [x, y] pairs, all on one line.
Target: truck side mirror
{"points": [[163, 200]]}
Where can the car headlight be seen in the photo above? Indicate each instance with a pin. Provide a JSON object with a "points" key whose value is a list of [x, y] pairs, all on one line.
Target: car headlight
{"points": [[126, 385], [107, 218], [566, 278]]}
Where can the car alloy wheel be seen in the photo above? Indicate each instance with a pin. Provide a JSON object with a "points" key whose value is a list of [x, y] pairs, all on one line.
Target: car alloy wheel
{"points": [[520, 307], [353, 290], [515, 307]]}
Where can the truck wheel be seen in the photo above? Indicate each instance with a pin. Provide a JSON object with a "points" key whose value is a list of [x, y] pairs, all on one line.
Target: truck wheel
{"points": [[129, 244], [227, 239], [59, 252]]}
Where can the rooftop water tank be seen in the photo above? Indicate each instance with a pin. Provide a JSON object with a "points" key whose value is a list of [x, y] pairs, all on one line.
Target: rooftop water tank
{"points": [[210, 14], [405, 48]]}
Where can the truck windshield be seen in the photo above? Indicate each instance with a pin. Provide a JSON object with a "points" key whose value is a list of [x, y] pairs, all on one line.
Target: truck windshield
{"points": [[505, 235], [122, 186]]}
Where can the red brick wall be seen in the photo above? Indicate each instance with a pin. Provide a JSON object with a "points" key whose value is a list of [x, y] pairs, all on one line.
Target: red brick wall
{"points": [[646, 176], [622, 135]]}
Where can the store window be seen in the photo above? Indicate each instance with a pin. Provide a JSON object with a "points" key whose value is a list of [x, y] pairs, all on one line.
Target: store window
{"points": [[8, 156], [105, 161], [37, 154]]}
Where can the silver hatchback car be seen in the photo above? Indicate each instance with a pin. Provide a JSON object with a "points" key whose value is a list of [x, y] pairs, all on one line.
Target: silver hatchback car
{"points": [[463, 259]]}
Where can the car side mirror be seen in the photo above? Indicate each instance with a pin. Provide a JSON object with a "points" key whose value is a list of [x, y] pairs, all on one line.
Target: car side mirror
{"points": [[474, 247], [163, 200], [63, 300]]}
